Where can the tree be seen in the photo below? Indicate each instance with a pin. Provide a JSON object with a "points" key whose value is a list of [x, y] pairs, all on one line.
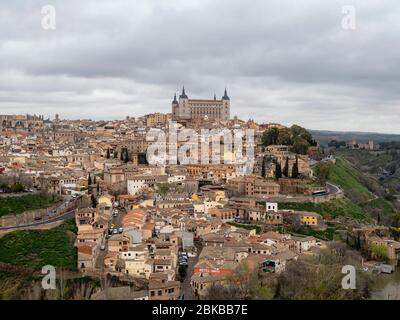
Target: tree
{"points": [[300, 145], [244, 283], [108, 153], [322, 171], [320, 277], [182, 272], [98, 188], [263, 167], [94, 201], [379, 252], [295, 169], [285, 137], [163, 188], [94, 179], [278, 170], [126, 159], [89, 180], [286, 168], [270, 136]]}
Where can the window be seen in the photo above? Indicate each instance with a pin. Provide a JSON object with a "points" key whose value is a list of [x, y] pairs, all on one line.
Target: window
{"points": [[159, 292]]}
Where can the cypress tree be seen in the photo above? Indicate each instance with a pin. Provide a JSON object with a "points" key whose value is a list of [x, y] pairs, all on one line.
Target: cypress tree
{"points": [[94, 201], [263, 167], [295, 169], [108, 153], [89, 180], [126, 155], [286, 168], [278, 170]]}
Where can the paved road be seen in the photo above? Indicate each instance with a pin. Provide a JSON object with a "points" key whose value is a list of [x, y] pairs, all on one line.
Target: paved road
{"points": [[332, 189], [65, 216], [117, 222], [186, 289]]}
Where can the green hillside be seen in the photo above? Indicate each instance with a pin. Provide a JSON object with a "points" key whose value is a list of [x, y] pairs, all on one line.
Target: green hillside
{"points": [[331, 209], [37, 248], [15, 205], [343, 174]]}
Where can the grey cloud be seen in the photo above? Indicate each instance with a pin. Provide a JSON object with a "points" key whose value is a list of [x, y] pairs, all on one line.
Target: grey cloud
{"points": [[282, 61]]}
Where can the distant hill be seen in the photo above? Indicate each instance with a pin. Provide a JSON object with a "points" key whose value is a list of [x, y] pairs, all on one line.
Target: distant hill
{"points": [[324, 136]]}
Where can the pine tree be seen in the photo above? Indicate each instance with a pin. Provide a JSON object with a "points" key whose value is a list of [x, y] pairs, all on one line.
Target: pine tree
{"points": [[278, 170], [295, 169], [286, 168]]}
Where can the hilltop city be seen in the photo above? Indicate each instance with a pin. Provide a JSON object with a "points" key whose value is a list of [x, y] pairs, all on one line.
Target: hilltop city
{"points": [[83, 196]]}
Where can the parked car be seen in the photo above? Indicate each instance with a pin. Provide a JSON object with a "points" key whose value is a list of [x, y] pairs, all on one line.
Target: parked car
{"points": [[115, 231], [120, 230], [103, 247]]}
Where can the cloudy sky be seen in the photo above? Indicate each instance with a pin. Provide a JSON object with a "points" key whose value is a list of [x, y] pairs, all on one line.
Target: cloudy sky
{"points": [[281, 60]]}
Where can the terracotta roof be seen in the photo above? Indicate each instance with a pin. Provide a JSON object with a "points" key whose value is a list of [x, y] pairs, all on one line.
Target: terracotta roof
{"points": [[85, 249]]}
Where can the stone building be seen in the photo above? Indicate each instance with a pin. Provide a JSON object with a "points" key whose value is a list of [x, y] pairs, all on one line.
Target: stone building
{"points": [[21, 122], [200, 109]]}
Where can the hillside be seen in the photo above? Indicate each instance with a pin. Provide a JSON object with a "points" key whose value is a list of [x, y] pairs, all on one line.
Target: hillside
{"points": [[323, 136], [382, 165], [36, 248], [363, 190]]}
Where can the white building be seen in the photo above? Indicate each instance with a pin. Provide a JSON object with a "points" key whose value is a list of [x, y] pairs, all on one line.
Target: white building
{"points": [[271, 206], [134, 186]]}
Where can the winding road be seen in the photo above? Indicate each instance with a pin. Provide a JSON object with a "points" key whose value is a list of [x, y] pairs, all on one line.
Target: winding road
{"points": [[62, 217]]}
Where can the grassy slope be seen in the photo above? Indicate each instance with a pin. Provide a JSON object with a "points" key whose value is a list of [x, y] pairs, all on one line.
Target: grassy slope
{"points": [[343, 174], [354, 184], [349, 179], [334, 208], [37, 248], [15, 205]]}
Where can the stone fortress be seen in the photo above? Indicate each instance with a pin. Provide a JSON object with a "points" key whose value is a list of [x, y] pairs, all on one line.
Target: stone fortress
{"points": [[186, 109]]}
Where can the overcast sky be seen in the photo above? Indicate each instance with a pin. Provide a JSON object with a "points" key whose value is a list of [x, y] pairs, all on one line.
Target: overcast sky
{"points": [[281, 61]]}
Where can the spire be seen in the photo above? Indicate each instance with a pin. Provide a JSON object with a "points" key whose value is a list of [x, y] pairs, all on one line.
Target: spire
{"points": [[215, 97], [175, 101], [183, 95], [225, 97]]}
